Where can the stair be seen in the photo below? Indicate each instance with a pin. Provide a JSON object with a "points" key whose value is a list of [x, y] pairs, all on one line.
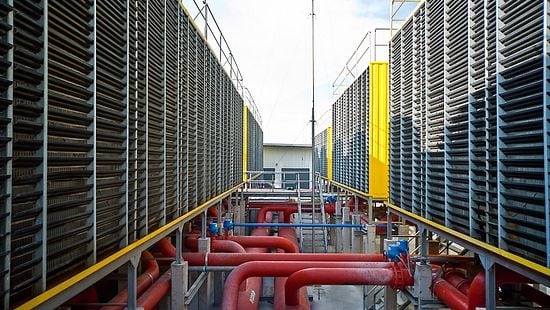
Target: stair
{"points": [[313, 238]]}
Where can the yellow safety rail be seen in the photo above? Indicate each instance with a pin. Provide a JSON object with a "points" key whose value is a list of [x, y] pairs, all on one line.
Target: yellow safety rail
{"points": [[62, 292]]}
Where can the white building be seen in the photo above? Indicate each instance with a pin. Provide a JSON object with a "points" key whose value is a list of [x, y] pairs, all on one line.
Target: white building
{"points": [[288, 161]]}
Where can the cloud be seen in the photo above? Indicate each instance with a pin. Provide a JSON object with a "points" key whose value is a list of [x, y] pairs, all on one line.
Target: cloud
{"points": [[271, 42]]}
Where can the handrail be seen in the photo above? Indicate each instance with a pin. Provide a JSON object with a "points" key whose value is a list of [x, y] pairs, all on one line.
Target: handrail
{"points": [[353, 190], [62, 292]]}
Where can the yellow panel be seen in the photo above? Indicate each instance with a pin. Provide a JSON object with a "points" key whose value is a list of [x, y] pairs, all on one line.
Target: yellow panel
{"points": [[378, 130], [245, 141], [329, 153]]}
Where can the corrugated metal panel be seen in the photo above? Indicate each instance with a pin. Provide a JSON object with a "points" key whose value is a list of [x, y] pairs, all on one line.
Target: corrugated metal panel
{"points": [[484, 115]]}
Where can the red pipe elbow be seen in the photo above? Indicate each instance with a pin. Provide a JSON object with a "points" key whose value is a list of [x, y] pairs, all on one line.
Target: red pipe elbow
{"points": [[450, 295]]}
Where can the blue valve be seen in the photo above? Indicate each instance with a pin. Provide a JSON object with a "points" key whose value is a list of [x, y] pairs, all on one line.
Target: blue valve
{"points": [[227, 224], [213, 228], [403, 246], [393, 252]]}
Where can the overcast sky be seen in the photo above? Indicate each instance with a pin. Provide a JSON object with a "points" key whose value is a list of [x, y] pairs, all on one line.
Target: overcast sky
{"points": [[271, 42]]}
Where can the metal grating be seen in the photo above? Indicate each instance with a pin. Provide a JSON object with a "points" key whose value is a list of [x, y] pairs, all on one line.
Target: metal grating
{"points": [[482, 113]]}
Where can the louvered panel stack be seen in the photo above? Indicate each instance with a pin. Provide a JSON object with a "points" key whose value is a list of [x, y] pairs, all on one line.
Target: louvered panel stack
{"points": [[183, 110], [406, 115], [351, 134], [208, 124], [491, 104], [192, 117], [171, 111], [135, 109], [395, 119], [255, 144], [218, 124], [111, 124], [435, 183], [237, 130], [418, 112], [479, 144], [72, 97], [141, 106], [456, 109], [6, 135], [321, 153], [202, 97], [133, 144], [485, 118], [520, 129], [156, 102], [27, 246]]}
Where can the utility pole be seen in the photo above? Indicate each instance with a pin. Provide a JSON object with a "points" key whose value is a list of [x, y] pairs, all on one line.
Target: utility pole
{"points": [[313, 122]]}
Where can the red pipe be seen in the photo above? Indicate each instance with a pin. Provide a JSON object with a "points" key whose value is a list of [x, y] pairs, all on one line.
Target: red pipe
{"points": [[236, 244], [458, 280], [450, 295], [276, 269], [266, 242], [279, 296], [153, 295], [145, 280], [339, 276], [87, 296], [502, 276], [235, 259], [166, 248]]}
